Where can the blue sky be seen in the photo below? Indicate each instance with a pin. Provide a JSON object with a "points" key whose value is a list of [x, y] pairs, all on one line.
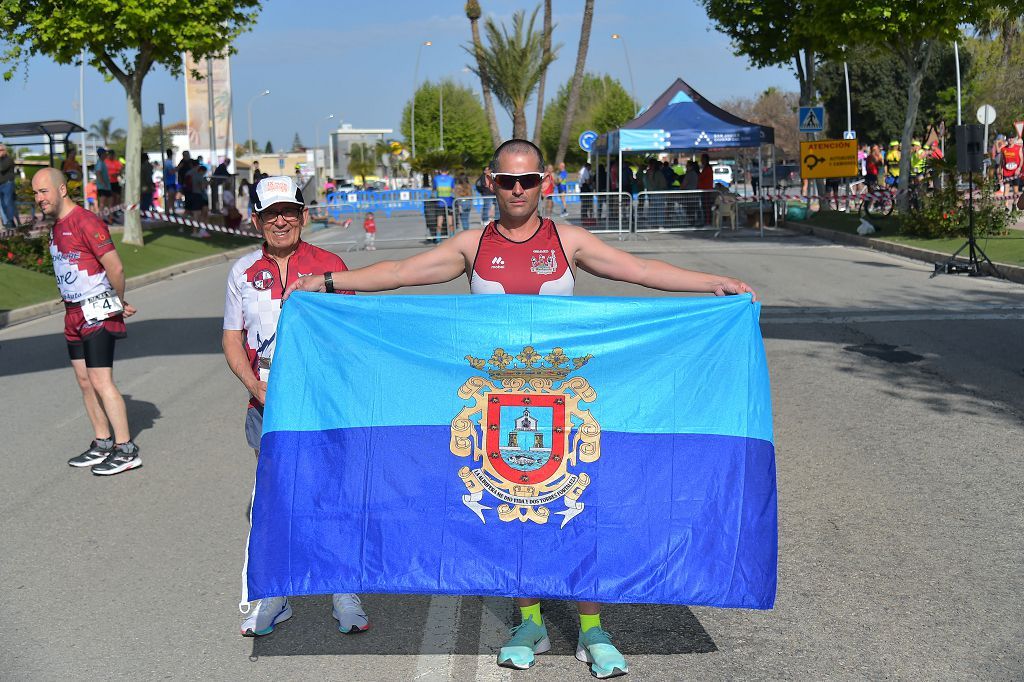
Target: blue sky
{"points": [[356, 60]]}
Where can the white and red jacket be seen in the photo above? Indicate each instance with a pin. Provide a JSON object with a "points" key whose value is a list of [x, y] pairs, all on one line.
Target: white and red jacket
{"points": [[535, 266], [254, 291]]}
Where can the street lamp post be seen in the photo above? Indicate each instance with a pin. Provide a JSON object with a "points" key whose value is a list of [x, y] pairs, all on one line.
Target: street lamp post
{"points": [[632, 85], [316, 165], [415, 78], [262, 94]]}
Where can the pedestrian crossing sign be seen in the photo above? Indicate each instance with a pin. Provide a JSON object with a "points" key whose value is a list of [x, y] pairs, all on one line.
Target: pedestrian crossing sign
{"points": [[811, 119]]}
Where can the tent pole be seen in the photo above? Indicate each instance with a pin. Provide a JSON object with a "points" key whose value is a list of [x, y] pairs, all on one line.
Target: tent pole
{"points": [[620, 183], [760, 204]]}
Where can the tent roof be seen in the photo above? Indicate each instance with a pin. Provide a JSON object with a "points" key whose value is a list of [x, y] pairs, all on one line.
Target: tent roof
{"points": [[39, 128], [684, 120]]}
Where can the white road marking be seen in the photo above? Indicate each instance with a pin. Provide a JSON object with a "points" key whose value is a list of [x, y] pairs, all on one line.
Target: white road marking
{"points": [[440, 634]]}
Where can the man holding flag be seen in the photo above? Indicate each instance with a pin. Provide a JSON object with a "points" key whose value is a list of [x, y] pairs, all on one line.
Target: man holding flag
{"points": [[521, 253], [251, 311]]}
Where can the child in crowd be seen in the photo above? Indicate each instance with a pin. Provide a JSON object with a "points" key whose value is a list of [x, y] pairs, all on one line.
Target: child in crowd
{"points": [[90, 194], [370, 227]]}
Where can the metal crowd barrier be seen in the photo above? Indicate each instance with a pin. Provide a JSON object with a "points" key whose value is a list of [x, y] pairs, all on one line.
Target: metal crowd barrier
{"points": [[425, 220], [675, 210], [597, 212]]}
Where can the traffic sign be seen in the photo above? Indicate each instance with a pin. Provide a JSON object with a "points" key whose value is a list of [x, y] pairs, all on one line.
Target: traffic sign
{"points": [[1019, 125], [811, 119], [849, 134], [986, 114], [587, 139], [828, 159]]}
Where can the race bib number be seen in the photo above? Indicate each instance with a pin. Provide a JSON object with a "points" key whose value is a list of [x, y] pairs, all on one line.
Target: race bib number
{"points": [[102, 307], [1011, 165]]}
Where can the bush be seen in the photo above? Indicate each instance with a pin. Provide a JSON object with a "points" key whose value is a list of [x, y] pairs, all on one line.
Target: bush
{"points": [[27, 252], [945, 213]]}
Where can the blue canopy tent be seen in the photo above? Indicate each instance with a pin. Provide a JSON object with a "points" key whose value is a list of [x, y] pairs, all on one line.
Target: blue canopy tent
{"points": [[683, 120]]}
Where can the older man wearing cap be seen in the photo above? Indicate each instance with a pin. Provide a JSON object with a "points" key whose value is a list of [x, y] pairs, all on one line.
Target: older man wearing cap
{"points": [[251, 310]]}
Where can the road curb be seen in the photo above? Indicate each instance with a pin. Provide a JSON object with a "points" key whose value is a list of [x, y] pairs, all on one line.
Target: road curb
{"points": [[1013, 273], [32, 312]]}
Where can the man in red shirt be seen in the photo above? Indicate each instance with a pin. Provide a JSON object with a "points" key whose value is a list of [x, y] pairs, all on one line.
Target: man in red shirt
{"points": [[91, 281], [114, 169]]}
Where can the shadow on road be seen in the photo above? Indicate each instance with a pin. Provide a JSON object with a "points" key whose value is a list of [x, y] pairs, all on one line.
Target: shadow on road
{"points": [[190, 336], [141, 414], [399, 622]]}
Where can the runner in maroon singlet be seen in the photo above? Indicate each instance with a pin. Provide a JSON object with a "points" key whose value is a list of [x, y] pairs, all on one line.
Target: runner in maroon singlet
{"points": [[91, 281], [521, 253]]}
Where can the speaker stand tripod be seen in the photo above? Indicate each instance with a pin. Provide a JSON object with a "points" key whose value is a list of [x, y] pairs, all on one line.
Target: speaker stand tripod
{"points": [[973, 266]]}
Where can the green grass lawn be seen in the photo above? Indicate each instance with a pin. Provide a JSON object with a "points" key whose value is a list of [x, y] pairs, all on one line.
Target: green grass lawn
{"points": [[164, 247], [1008, 249]]}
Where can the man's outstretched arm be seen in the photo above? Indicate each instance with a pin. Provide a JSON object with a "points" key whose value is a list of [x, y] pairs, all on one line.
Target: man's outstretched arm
{"points": [[604, 260], [442, 263]]}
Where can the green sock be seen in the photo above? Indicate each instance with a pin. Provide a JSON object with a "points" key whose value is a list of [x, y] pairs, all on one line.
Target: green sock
{"points": [[531, 612], [588, 621]]}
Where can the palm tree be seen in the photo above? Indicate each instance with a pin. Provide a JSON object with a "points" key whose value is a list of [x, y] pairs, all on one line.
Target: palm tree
{"points": [[514, 63], [544, 73], [577, 81], [361, 161], [1003, 25], [473, 14], [102, 129]]}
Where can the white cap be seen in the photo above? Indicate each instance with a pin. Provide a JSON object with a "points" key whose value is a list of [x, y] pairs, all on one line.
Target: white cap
{"points": [[277, 189]]}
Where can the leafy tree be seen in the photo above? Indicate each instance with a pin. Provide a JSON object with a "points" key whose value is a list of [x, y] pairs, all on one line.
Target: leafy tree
{"points": [[911, 34], [465, 123], [297, 145], [124, 40], [513, 63], [548, 28], [104, 129], [577, 80], [268, 148], [603, 105], [362, 161], [779, 33], [774, 108], [994, 78], [473, 14], [878, 99]]}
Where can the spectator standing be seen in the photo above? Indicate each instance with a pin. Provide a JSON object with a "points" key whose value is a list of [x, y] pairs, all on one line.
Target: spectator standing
{"points": [[146, 186], [487, 198], [706, 183], [71, 168], [170, 182], [547, 190], [103, 193], [561, 185], [114, 170], [7, 209], [464, 190], [369, 231], [892, 163], [90, 194], [586, 179], [444, 185], [232, 216]]}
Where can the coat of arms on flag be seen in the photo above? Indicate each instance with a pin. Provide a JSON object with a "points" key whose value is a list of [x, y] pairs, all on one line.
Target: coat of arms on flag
{"points": [[527, 434]]}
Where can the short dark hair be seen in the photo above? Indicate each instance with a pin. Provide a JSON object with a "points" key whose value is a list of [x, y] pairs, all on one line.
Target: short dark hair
{"points": [[517, 146]]}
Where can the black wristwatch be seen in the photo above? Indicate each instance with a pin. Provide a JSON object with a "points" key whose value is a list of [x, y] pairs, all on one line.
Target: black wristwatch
{"points": [[328, 283]]}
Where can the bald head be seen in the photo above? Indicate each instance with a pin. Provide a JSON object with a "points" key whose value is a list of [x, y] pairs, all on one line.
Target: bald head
{"points": [[50, 190]]}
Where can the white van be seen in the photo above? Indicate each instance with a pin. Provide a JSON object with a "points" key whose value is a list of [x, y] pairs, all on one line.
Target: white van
{"points": [[722, 173]]}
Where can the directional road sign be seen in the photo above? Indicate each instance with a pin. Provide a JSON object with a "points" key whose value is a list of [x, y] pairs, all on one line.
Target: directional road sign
{"points": [[828, 159], [811, 119], [587, 138]]}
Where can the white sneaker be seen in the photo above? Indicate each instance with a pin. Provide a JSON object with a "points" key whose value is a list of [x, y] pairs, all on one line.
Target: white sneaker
{"points": [[265, 614], [348, 611]]}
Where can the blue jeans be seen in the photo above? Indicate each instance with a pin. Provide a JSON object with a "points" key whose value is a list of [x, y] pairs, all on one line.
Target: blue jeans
{"points": [[7, 203], [485, 209]]}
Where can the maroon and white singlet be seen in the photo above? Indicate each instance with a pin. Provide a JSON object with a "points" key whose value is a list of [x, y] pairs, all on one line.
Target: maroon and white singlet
{"points": [[254, 291], [535, 266]]}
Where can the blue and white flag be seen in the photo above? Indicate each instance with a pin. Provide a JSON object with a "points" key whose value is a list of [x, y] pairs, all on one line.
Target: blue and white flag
{"points": [[596, 449]]}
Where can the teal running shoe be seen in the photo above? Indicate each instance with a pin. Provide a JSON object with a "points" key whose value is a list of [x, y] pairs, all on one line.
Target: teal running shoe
{"points": [[528, 639], [595, 647]]}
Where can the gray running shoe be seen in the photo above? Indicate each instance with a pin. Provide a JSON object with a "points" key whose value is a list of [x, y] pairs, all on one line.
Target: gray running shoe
{"points": [[265, 614], [94, 455], [348, 611], [124, 457]]}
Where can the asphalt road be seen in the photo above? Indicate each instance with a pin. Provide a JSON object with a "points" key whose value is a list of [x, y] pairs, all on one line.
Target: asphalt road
{"points": [[899, 435]]}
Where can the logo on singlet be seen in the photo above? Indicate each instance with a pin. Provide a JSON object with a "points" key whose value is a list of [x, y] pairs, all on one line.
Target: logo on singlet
{"points": [[263, 280], [543, 262], [497, 263]]}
